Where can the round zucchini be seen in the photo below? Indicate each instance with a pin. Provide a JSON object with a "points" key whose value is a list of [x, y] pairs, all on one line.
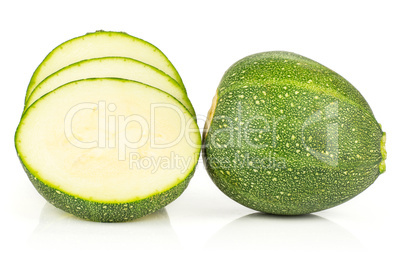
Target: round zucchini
{"points": [[285, 135]]}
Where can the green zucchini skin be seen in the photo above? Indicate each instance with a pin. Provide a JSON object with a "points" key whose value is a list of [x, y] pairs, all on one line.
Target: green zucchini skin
{"points": [[107, 212], [288, 136]]}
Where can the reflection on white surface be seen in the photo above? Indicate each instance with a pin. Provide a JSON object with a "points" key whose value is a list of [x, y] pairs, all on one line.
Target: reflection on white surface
{"points": [[60, 230], [263, 231]]}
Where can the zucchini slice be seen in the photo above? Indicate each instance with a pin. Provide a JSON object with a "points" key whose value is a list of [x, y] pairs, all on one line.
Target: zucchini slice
{"points": [[108, 149], [119, 67]]}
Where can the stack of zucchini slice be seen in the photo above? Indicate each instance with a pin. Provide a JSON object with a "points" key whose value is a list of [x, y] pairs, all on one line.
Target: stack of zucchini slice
{"points": [[108, 132]]}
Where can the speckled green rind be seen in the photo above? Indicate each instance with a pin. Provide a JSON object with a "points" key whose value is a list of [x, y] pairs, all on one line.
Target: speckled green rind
{"points": [[282, 67], [288, 147], [107, 212]]}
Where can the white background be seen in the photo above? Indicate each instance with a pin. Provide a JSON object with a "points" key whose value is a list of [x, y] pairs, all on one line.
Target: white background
{"points": [[358, 39]]}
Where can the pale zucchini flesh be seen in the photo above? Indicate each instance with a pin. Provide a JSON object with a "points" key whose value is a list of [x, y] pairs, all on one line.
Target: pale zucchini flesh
{"points": [[119, 67]]}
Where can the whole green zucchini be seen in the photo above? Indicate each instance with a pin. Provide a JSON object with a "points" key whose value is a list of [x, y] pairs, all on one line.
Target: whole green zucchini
{"points": [[286, 135]]}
